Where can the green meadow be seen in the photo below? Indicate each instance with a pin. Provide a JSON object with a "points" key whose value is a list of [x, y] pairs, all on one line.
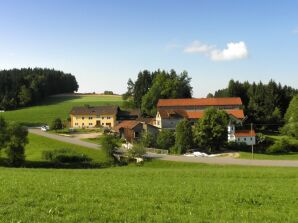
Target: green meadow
{"points": [[159, 191], [57, 106], [38, 144]]}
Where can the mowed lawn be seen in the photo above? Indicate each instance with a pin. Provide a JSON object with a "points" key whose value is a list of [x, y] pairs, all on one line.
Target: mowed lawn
{"points": [[57, 107], [159, 191]]}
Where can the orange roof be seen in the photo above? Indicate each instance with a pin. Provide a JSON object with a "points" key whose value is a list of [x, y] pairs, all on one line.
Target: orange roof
{"points": [[199, 102], [245, 133], [127, 124]]}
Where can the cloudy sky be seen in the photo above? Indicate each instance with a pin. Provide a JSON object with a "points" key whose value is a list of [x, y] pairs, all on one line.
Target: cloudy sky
{"points": [[103, 43]]}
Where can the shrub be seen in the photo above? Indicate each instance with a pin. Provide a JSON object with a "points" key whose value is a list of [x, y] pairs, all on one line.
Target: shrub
{"points": [[109, 146], [57, 124], [184, 138], [149, 139], [165, 139], [237, 146], [137, 151], [65, 156], [280, 146]]}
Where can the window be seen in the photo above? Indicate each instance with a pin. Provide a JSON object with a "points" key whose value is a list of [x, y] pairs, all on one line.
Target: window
{"points": [[83, 118], [76, 123], [250, 138], [244, 138], [83, 124], [102, 117], [90, 123], [90, 118], [108, 117]]}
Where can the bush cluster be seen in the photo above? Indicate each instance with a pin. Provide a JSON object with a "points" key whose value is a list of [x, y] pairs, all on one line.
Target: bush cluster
{"points": [[65, 155], [282, 146]]}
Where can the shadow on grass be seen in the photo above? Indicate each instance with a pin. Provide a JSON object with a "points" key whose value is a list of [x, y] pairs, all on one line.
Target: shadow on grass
{"points": [[55, 165]]}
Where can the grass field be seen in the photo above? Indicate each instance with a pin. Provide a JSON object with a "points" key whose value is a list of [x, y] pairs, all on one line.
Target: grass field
{"points": [[157, 192], [57, 106], [261, 156], [38, 144]]}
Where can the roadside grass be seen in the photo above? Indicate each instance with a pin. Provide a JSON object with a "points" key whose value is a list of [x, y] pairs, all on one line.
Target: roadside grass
{"points": [[38, 144], [263, 156], [159, 191], [57, 106]]}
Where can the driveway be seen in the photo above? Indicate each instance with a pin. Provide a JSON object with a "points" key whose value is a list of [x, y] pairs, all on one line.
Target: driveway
{"points": [[227, 161], [64, 138]]}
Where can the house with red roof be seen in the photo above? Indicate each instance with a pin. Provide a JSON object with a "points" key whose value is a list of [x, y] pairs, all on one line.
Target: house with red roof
{"points": [[171, 111]]}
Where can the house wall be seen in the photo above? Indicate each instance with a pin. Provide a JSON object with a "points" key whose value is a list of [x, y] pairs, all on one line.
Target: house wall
{"points": [[247, 139], [170, 123], [90, 121]]}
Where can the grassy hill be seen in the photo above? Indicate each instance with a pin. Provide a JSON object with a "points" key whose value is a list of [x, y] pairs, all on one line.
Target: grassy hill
{"points": [[38, 144], [157, 192], [57, 106]]}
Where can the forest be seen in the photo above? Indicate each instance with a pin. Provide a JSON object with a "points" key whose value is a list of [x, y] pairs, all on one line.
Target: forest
{"points": [[264, 104], [27, 86]]}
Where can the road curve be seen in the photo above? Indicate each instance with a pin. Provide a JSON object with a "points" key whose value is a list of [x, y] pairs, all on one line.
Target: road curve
{"points": [[64, 138], [227, 161], [207, 160]]}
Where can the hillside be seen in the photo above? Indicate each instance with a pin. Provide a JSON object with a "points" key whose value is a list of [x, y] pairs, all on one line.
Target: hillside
{"points": [[57, 106]]}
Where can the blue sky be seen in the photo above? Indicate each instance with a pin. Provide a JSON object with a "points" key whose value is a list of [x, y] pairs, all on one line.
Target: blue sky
{"points": [[103, 43]]}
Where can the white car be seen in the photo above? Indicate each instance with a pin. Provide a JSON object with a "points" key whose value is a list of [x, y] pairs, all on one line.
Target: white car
{"points": [[45, 128]]}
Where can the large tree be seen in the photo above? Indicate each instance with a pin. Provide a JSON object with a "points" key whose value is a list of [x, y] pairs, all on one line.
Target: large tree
{"points": [[210, 132], [291, 119], [165, 86], [149, 87]]}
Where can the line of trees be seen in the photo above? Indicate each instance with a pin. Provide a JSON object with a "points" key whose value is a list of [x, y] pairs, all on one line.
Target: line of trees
{"points": [[263, 103], [149, 87], [25, 87]]}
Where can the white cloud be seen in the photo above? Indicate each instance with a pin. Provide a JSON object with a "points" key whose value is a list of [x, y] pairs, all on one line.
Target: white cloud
{"points": [[233, 51], [198, 47]]}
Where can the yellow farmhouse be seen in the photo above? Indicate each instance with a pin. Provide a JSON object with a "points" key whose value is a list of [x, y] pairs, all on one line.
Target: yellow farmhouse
{"points": [[91, 117]]}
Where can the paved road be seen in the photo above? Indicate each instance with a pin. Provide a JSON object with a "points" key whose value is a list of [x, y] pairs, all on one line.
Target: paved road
{"points": [[63, 138], [207, 160], [227, 161]]}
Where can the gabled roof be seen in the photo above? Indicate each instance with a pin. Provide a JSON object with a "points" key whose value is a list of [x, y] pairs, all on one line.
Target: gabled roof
{"points": [[97, 110], [167, 113], [245, 133], [127, 124], [199, 102]]}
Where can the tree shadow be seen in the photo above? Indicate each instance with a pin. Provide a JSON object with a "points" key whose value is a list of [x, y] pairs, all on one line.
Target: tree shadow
{"points": [[55, 165]]}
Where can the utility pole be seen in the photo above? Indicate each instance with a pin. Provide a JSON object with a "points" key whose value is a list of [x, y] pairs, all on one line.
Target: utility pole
{"points": [[252, 143]]}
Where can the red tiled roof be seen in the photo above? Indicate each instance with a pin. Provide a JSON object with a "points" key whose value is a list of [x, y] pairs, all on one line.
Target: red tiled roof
{"points": [[199, 102], [245, 133], [127, 124], [165, 113]]}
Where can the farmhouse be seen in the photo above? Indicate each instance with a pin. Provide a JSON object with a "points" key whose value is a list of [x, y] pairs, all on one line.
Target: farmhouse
{"points": [[97, 116], [132, 129], [171, 111]]}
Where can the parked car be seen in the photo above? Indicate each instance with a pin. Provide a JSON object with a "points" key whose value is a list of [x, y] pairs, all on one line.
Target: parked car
{"points": [[45, 128]]}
